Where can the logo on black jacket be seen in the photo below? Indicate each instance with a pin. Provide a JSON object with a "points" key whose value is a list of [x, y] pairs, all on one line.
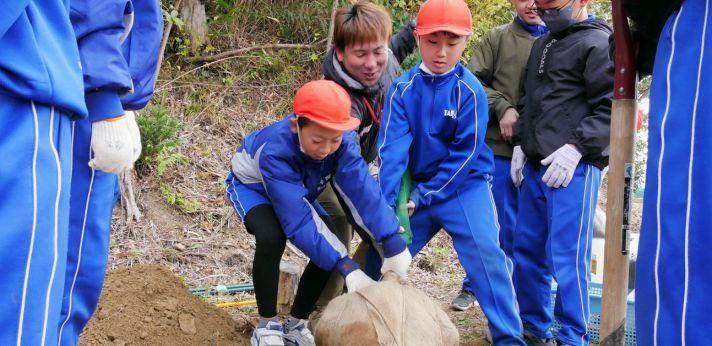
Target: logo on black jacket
{"points": [[543, 55]]}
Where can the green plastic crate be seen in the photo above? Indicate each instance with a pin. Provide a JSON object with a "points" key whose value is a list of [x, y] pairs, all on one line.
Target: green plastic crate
{"points": [[595, 292]]}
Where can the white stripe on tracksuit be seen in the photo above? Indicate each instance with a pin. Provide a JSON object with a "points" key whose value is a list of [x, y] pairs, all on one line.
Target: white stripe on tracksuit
{"points": [[326, 233], [34, 225], [56, 226], [354, 212], [81, 245], [586, 188], [390, 112], [236, 201], [474, 148], [689, 173], [660, 165], [55, 236]]}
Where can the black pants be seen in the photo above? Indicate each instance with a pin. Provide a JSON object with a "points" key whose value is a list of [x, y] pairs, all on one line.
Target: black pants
{"points": [[262, 222]]}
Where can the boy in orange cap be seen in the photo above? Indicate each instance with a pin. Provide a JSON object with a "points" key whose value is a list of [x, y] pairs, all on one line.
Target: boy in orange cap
{"points": [[276, 176], [434, 124]]}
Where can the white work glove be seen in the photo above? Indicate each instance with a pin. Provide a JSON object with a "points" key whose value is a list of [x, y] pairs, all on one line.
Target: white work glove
{"points": [[411, 208], [562, 164], [112, 146], [517, 167], [398, 264], [135, 134], [357, 280]]}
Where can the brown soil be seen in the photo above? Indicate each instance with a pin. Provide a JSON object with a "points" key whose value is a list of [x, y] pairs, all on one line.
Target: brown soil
{"points": [[149, 305]]}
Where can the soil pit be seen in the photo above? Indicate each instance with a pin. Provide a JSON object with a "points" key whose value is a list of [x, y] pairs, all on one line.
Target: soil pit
{"points": [[149, 305]]}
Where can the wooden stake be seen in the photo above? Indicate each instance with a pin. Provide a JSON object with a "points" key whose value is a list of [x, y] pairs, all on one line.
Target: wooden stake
{"points": [[289, 274], [620, 180], [620, 177]]}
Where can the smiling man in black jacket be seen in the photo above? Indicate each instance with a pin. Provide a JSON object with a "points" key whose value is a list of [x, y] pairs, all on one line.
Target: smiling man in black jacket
{"points": [[561, 147], [364, 60]]}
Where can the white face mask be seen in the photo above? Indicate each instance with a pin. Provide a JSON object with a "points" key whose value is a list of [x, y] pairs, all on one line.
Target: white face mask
{"points": [[299, 137]]}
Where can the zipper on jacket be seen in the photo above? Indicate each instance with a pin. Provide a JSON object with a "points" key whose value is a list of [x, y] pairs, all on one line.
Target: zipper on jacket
{"points": [[432, 106]]}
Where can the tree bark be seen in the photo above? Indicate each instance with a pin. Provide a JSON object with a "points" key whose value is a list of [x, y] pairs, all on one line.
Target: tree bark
{"points": [[193, 15]]}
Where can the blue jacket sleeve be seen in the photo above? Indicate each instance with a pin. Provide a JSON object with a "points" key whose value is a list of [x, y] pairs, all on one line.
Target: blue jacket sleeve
{"points": [[99, 25], [468, 143], [364, 200], [10, 12], [394, 139], [141, 50], [300, 220]]}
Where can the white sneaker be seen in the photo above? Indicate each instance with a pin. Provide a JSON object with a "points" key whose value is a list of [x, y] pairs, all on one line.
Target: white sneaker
{"points": [[298, 335], [271, 335]]}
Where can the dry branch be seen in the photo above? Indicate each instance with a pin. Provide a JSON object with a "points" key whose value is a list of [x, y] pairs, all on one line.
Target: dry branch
{"points": [[128, 198], [232, 52], [334, 7]]}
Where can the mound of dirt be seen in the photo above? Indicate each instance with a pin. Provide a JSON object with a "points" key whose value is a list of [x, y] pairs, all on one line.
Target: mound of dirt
{"points": [[149, 305]]}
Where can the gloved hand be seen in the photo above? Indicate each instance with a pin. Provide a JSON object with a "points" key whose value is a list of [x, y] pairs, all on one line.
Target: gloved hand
{"points": [[562, 164], [357, 280], [518, 161], [398, 264], [112, 145], [411, 207], [135, 134]]}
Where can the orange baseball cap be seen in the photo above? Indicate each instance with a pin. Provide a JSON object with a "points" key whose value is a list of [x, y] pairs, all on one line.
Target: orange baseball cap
{"points": [[325, 103], [444, 15]]}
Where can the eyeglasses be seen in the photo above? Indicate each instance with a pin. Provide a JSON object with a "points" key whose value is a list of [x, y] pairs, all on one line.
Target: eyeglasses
{"points": [[551, 11]]}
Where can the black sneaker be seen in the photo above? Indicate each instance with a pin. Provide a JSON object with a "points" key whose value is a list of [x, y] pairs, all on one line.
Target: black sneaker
{"points": [[464, 301], [532, 340]]}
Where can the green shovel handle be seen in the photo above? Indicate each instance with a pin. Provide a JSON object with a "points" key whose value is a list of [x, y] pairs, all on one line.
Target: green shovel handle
{"points": [[402, 208]]}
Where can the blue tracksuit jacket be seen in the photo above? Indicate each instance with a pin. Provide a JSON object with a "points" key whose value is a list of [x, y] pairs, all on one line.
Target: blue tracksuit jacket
{"points": [[269, 168], [112, 70], [39, 59], [42, 63], [427, 126]]}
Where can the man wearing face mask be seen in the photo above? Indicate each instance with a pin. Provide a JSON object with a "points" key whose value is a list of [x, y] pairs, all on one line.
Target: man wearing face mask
{"points": [[364, 60], [561, 146]]}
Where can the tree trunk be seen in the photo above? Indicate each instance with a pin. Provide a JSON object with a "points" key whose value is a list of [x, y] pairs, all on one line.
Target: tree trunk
{"points": [[193, 15]]}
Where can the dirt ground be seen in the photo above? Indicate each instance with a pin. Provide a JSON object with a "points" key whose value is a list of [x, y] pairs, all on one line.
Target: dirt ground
{"points": [[149, 305]]}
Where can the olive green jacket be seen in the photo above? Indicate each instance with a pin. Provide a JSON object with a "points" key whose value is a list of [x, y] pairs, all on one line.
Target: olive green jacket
{"points": [[499, 61]]}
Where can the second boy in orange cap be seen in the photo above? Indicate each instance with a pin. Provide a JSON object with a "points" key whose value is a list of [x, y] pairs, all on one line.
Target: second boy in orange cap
{"points": [[276, 176], [434, 123]]}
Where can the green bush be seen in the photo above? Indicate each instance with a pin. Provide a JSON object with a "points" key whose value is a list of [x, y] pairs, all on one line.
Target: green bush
{"points": [[159, 139]]}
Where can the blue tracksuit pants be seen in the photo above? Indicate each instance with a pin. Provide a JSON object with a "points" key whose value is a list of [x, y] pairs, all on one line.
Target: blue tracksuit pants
{"points": [[506, 196], [92, 201], [469, 217], [35, 146], [553, 240], [674, 267]]}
